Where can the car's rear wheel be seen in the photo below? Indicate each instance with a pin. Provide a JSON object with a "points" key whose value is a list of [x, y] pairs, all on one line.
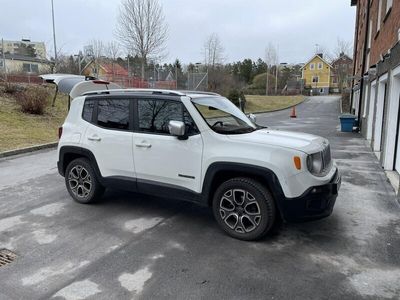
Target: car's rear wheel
{"points": [[244, 208], [81, 181]]}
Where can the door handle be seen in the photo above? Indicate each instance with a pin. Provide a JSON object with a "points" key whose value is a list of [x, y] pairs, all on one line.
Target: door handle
{"points": [[143, 145], [94, 138]]}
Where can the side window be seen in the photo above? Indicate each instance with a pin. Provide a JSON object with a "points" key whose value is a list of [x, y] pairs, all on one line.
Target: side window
{"points": [[191, 127], [154, 116], [87, 112], [113, 114]]}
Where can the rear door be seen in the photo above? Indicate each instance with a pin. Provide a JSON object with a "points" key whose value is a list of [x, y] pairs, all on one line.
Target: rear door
{"points": [[160, 158], [109, 136]]}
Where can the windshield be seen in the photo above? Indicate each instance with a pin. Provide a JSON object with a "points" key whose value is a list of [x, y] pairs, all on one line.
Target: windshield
{"points": [[223, 116]]}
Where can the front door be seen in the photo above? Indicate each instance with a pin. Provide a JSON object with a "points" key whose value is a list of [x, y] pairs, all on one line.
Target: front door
{"points": [[160, 158], [109, 137]]}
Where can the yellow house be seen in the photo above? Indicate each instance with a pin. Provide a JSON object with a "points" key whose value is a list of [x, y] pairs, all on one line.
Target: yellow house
{"points": [[316, 75]]}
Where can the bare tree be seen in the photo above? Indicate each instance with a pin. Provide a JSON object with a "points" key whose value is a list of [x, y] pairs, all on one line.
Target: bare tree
{"points": [[97, 48], [271, 59], [112, 52], [343, 47], [213, 51], [142, 29]]}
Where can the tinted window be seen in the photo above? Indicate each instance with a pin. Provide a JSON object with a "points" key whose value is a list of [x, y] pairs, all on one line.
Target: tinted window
{"points": [[154, 116], [113, 114], [88, 110]]}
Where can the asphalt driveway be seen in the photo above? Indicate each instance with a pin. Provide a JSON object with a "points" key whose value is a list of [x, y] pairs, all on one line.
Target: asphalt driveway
{"points": [[133, 246]]}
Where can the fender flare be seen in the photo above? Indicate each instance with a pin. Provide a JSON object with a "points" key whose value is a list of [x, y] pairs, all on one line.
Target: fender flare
{"points": [[268, 177], [78, 151]]}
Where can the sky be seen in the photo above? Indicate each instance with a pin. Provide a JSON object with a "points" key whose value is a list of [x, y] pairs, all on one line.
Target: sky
{"points": [[244, 27]]}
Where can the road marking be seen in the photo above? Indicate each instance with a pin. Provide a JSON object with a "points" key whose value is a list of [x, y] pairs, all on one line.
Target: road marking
{"points": [[135, 282], [79, 290]]}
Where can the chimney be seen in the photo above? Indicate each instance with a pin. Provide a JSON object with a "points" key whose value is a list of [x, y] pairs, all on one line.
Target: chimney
{"points": [[320, 55]]}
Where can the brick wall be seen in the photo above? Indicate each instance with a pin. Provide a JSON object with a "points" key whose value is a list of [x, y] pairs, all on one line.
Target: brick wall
{"points": [[387, 36], [381, 40]]}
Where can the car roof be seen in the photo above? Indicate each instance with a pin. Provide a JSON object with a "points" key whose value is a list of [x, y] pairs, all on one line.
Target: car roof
{"points": [[125, 92]]}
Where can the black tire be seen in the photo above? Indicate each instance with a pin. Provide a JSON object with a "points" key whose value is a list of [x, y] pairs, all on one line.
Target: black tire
{"points": [[81, 181], [254, 217]]}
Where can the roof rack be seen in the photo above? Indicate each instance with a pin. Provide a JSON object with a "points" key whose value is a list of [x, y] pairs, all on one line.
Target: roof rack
{"points": [[201, 93], [149, 91]]}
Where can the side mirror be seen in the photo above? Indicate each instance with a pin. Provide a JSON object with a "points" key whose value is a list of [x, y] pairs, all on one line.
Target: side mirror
{"points": [[252, 118], [177, 128]]}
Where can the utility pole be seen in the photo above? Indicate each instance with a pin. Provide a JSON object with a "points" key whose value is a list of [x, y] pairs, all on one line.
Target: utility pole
{"points": [[4, 59], [266, 83], [54, 37]]}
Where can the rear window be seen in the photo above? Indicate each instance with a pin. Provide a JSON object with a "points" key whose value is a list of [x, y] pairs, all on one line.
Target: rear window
{"points": [[113, 114], [88, 108]]}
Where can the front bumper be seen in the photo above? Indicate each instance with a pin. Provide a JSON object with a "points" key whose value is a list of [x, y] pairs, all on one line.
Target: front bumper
{"points": [[316, 203]]}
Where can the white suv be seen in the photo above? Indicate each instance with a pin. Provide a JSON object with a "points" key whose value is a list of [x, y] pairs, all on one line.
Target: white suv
{"points": [[198, 147]]}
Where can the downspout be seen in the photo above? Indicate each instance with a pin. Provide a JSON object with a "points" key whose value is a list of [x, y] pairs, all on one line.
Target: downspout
{"points": [[363, 65], [354, 58]]}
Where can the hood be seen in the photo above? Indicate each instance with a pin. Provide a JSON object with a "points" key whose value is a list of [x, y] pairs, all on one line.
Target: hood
{"points": [[304, 142]]}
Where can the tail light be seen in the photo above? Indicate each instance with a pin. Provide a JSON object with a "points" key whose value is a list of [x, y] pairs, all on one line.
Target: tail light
{"points": [[60, 130]]}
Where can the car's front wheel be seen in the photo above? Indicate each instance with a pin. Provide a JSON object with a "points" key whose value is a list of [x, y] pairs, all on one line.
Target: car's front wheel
{"points": [[81, 181], [244, 208]]}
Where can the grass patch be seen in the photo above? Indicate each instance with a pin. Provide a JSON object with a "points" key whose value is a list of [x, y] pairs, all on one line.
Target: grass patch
{"points": [[18, 129], [257, 103]]}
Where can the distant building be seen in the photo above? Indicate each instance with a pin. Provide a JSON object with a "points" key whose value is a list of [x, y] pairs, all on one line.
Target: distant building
{"points": [[23, 57], [24, 47], [342, 72], [114, 72], [316, 75], [19, 64], [376, 87], [104, 70]]}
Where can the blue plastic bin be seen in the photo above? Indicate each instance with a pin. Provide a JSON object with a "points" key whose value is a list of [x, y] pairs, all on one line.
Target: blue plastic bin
{"points": [[347, 122]]}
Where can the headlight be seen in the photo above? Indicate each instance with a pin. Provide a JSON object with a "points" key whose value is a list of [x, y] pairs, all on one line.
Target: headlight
{"points": [[315, 163]]}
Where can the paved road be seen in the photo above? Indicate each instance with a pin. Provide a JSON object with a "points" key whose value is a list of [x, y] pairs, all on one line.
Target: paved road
{"points": [[131, 246]]}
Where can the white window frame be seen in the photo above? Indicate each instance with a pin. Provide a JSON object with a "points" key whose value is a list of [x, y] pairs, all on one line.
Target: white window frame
{"points": [[312, 66], [389, 4], [378, 23], [312, 79], [320, 66]]}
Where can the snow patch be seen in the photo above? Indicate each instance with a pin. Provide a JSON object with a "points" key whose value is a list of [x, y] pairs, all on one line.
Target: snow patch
{"points": [[10, 222], [135, 282], [141, 224], [52, 271], [49, 210], [42, 237], [79, 290]]}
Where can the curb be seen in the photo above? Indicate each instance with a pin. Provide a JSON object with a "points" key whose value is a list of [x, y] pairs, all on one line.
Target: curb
{"points": [[279, 109], [28, 149]]}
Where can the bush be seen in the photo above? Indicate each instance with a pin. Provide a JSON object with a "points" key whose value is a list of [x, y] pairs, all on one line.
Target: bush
{"points": [[234, 96], [33, 100], [11, 88]]}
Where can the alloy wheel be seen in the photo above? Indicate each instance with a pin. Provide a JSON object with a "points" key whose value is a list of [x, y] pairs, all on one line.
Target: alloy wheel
{"points": [[80, 181], [239, 210]]}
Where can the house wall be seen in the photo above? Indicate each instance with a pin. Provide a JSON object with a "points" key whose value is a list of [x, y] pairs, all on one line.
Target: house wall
{"points": [[17, 66], [379, 105], [323, 74]]}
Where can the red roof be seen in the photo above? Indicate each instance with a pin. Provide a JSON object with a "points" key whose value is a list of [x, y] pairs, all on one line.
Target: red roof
{"points": [[118, 69]]}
